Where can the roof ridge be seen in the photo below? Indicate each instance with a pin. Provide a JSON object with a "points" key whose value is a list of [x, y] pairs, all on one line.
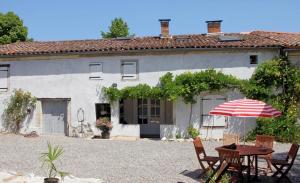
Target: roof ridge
{"points": [[276, 32]]}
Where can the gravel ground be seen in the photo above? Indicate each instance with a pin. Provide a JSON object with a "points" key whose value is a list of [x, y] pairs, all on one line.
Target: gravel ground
{"points": [[115, 161]]}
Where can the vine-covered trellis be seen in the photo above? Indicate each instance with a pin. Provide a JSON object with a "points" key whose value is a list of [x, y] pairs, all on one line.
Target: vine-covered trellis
{"points": [[186, 85]]}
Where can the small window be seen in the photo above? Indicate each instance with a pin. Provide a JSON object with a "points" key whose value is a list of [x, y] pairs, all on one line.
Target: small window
{"points": [[129, 69], [4, 78], [95, 70], [253, 59]]}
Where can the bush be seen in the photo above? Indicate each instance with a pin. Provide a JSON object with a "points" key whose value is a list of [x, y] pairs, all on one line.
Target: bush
{"points": [[277, 82], [226, 178], [193, 132], [19, 106]]}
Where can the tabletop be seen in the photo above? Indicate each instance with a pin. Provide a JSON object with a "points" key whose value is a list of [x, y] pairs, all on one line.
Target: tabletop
{"points": [[251, 150]]}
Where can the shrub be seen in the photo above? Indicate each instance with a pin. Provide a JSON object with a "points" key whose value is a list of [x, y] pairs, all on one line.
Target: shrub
{"points": [[226, 178], [49, 159], [277, 83], [193, 132], [19, 106]]}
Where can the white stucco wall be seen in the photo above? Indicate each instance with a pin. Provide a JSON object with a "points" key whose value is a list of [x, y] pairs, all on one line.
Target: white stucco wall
{"points": [[69, 78]]}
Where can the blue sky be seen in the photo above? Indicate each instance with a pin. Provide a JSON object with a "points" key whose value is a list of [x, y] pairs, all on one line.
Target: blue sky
{"points": [[83, 19]]}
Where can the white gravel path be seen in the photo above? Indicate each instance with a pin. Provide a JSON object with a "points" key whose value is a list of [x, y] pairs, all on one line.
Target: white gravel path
{"points": [[112, 160]]}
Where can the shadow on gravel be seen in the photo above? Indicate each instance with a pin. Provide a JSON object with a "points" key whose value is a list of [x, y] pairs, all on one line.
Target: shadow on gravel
{"points": [[196, 174]]}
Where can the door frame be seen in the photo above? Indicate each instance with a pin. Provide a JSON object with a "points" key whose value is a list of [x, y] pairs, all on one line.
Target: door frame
{"points": [[68, 110]]}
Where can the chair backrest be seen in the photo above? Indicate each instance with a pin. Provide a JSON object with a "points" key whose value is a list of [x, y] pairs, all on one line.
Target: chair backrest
{"points": [[199, 148], [230, 139], [264, 141], [292, 153], [232, 157]]}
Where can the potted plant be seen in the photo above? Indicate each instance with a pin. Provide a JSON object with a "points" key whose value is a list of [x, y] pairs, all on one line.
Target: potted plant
{"points": [[49, 159], [105, 125]]}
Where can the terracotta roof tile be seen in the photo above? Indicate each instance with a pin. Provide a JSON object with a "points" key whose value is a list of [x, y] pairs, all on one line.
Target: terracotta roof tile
{"points": [[256, 39]]}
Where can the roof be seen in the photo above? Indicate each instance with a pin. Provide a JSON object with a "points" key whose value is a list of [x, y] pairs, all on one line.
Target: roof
{"points": [[255, 39]]}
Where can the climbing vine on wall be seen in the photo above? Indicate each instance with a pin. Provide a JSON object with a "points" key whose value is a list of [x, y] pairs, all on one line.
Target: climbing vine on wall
{"points": [[20, 104], [187, 85]]}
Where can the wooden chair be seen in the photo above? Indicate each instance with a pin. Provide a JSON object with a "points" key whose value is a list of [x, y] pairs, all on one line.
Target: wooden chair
{"points": [[265, 141], [230, 139], [286, 164], [202, 157], [230, 160]]}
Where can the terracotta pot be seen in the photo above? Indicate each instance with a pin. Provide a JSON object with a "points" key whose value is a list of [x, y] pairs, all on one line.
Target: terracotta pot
{"points": [[51, 180], [105, 135]]}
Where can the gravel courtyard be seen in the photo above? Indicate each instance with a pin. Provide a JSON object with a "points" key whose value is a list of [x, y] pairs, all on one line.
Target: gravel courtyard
{"points": [[115, 161]]}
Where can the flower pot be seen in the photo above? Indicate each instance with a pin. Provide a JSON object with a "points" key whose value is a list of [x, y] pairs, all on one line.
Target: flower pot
{"points": [[51, 180], [105, 135]]}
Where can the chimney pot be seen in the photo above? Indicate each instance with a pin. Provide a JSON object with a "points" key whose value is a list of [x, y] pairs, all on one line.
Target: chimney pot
{"points": [[214, 26], [164, 25]]}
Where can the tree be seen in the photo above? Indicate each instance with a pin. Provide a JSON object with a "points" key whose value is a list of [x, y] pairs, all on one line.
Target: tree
{"points": [[12, 28], [118, 28]]}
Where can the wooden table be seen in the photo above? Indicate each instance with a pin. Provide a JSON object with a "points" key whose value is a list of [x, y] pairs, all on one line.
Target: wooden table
{"points": [[251, 150]]}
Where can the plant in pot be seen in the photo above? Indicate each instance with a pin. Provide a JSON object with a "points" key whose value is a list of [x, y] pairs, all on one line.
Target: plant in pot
{"points": [[49, 160], [105, 125]]}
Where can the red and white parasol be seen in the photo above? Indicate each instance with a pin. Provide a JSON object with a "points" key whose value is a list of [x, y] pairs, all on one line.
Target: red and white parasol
{"points": [[245, 108]]}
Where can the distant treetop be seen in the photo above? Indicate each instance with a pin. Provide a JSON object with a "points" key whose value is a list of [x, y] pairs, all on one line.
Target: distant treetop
{"points": [[12, 28], [118, 28]]}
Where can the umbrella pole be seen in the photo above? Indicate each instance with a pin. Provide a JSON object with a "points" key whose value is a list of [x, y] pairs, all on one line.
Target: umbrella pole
{"points": [[244, 131]]}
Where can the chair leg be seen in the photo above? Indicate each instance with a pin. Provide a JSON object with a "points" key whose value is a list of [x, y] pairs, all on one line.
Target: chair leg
{"points": [[269, 166], [286, 177], [278, 170]]}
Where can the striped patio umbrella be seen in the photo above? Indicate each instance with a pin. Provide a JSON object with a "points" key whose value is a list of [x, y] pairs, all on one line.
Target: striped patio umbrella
{"points": [[245, 108]]}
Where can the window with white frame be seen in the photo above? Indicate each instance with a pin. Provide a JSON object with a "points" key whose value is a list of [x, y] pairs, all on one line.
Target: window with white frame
{"points": [[96, 70], [129, 69], [4, 78]]}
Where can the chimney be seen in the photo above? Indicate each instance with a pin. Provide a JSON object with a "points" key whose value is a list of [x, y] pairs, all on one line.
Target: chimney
{"points": [[214, 26], [164, 25]]}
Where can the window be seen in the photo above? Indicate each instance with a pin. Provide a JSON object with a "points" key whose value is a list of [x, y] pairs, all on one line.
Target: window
{"points": [[95, 70], [253, 59], [129, 69], [4, 77], [142, 111]]}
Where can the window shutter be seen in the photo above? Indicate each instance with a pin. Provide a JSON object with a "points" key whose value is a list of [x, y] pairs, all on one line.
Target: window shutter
{"points": [[4, 76], [207, 105], [95, 70]]}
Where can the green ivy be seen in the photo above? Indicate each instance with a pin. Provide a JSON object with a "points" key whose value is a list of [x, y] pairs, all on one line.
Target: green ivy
{"points": [[186, 85]]}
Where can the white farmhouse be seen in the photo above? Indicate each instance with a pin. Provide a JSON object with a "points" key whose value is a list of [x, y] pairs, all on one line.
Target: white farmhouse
{"points": [[67, 78]]}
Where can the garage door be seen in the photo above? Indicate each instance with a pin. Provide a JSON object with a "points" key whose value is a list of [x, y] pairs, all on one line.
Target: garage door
{"points": [[54, 116]]}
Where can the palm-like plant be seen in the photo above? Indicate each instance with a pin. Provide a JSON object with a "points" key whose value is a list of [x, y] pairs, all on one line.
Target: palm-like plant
{"points": [[49, 158]]}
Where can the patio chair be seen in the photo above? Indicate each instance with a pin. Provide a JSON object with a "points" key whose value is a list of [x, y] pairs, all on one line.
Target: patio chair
{"points": [[230, 161], [283, 166], [230, 139], [202, 157], [265, 141]]}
